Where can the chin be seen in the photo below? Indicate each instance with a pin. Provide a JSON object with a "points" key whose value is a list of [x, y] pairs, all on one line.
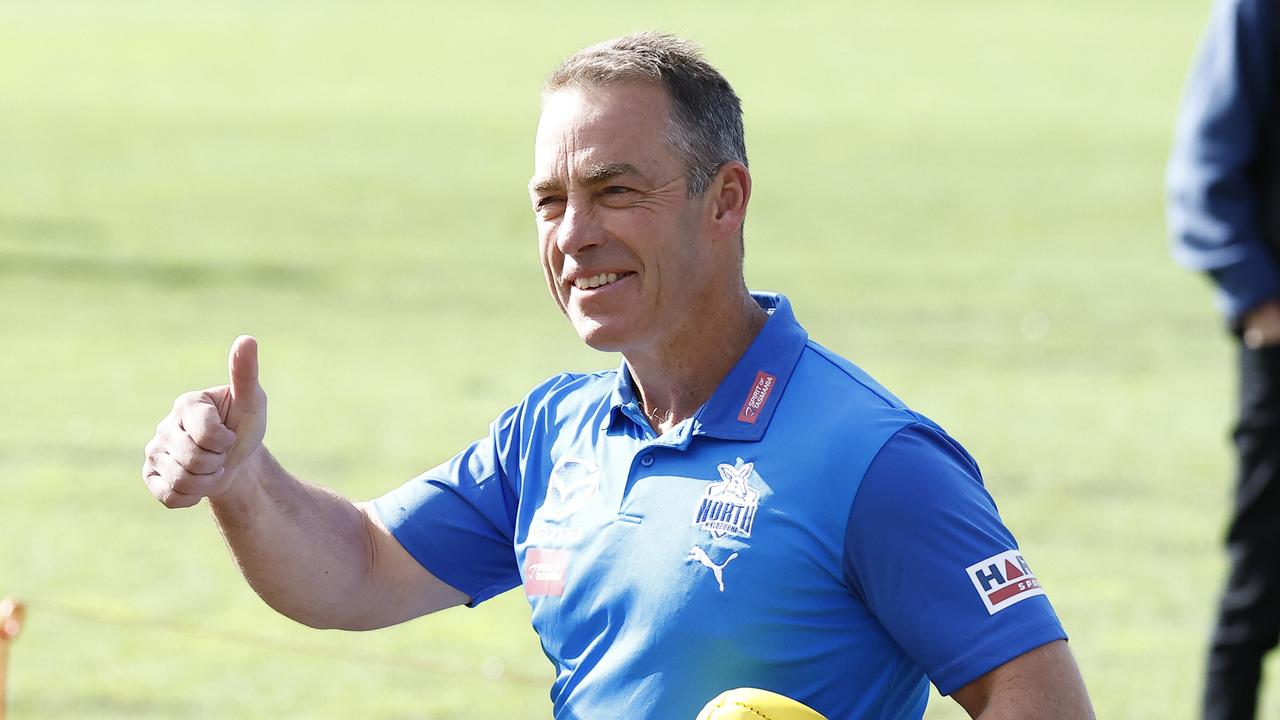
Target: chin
{"points": [[602, 336]]}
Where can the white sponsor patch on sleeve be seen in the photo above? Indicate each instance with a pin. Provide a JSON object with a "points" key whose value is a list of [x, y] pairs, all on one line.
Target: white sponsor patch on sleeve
{"points": [[1003, 580]]}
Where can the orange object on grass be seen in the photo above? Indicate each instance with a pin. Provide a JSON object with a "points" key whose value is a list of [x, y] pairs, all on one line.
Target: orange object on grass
{"points": [[11, 614]]}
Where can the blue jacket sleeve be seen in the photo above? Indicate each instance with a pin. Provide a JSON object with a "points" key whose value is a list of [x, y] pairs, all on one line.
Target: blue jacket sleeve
{"points": [[1214, 198], [927, 552], [458, 519]]}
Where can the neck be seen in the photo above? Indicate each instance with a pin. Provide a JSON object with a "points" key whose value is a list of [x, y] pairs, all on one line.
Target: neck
{"points": [[680, 374]]}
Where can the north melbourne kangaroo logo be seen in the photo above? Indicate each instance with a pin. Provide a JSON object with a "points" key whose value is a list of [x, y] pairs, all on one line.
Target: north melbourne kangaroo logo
{"points": [[700, 555], [729, 506]]}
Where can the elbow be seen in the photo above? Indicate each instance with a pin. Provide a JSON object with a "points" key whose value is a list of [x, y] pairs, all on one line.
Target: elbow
{"points": [[321, 614]]}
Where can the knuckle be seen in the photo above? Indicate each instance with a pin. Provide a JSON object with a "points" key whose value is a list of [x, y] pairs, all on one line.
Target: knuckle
{"points": [[191, 485], [168, 425], [201, 464], [208, 435], [157, 486], [181, 459], [181, 482], [200, 434], [186, 399]]}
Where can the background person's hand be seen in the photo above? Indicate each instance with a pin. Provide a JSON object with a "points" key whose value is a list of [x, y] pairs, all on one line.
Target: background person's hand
{"points": [[1261, 325], [209, 434]]}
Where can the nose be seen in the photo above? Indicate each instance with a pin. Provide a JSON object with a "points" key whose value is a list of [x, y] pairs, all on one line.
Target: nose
{"points": [[578, 229]]}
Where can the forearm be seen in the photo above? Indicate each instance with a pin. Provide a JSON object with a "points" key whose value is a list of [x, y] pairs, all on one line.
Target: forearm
{"points": [[308, 552]]}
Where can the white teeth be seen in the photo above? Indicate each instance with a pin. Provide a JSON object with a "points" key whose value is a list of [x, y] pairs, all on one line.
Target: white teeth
{"points": [[595, 281]]}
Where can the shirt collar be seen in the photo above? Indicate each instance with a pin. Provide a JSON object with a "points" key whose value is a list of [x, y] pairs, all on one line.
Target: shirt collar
{"points": [[743, 404]]}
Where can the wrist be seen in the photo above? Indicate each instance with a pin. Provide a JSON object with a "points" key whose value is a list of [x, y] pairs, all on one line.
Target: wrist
{"points": [[244, 482], [1260, 326]]}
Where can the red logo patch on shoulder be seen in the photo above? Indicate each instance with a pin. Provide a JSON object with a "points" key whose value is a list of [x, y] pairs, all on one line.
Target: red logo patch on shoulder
{"points": [[758, 396], [1003, 580], [544, 572]]}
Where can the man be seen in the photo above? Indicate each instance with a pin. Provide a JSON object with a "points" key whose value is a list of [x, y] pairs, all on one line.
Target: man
{"points": [[734, 506], [1224, 218]]}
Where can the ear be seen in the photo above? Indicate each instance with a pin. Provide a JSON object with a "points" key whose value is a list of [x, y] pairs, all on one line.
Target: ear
{"points": [[729, 193]]}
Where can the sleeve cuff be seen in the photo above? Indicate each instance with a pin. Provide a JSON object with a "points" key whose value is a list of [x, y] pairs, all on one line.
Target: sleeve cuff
{"points": [[393, 516], [1245, 285], [991, 655]]}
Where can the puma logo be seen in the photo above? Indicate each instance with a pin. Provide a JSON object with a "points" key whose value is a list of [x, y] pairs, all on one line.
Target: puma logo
{"points": [[697, 553]]}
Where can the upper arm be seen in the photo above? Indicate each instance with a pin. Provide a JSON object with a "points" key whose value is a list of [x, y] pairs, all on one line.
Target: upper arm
{"points": [[403, 588], [457, 520], [1043, 683], [931, 558]]}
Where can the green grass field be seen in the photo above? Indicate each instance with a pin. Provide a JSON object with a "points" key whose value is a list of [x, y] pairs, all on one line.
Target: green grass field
{"points": [[964, 198]]}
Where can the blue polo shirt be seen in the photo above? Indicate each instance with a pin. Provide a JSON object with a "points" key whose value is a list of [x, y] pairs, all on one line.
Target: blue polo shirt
{"points": [[804, 533]]}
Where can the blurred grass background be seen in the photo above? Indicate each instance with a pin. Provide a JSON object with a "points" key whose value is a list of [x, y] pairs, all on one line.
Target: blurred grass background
{"points": [[965, 199]]}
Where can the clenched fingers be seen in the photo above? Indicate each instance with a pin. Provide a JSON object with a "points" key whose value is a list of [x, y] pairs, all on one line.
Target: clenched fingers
{"points": [[174, 485], [203, 424], [164, 492], [178, 443]]}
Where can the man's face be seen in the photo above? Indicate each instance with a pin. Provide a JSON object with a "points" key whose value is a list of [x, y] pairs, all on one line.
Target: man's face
{"points": [[623, 246]]}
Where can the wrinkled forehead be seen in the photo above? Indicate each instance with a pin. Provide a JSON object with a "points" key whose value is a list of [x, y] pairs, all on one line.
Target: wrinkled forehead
{"points": [[581, 127]]}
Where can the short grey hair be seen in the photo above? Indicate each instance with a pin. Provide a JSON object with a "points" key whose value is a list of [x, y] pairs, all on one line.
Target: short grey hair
{"points": [[705, 127]]}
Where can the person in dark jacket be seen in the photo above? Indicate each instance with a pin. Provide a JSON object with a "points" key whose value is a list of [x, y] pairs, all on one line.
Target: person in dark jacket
{"points": [[1224, 219]]}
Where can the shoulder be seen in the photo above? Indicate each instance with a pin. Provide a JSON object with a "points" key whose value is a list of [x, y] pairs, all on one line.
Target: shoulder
{"points": [[838, 397], [565, 398], [837, 415], [922, 461], [572, 386], [821, 365]]}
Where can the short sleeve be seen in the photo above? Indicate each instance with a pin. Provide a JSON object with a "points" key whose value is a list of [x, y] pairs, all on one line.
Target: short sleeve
{"points": [[928, 553], [458, 519]]}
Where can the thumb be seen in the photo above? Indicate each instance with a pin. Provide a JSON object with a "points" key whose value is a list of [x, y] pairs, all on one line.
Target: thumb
{"points": [[242, 364]]}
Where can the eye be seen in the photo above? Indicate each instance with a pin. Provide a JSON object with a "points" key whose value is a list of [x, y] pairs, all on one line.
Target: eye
{"points": [[547, 203], [614, 195]]}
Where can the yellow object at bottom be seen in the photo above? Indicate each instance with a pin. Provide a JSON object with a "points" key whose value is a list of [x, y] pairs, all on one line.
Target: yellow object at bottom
{"points": [[756, 704]]}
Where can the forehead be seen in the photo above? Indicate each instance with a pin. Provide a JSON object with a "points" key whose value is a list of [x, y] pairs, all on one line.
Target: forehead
{"points": [[582, 127]]}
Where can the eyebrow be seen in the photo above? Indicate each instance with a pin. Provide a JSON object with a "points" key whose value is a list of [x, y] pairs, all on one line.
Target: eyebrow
{"points": [[592, 174]]}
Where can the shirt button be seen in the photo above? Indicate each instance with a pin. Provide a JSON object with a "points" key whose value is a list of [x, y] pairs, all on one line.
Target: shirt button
{"points": [[646, 460]]}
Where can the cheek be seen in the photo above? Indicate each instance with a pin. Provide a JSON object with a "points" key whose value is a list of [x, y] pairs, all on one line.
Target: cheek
{"points": [[677, 245], [547, 249], [629, 223], [551, 258]]}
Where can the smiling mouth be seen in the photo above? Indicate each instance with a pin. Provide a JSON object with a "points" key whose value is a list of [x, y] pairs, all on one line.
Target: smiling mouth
{"points": [[596, 281]]}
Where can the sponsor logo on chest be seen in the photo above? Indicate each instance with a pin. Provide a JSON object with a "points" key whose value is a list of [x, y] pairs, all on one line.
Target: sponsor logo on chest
{"points": [[1003, 580], [572, 483], [554, 535], [728, 508], [544, 571]]}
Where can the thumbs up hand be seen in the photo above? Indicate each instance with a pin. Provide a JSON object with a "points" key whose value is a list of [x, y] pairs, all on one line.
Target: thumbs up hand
{"points": [[206, 439]]}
